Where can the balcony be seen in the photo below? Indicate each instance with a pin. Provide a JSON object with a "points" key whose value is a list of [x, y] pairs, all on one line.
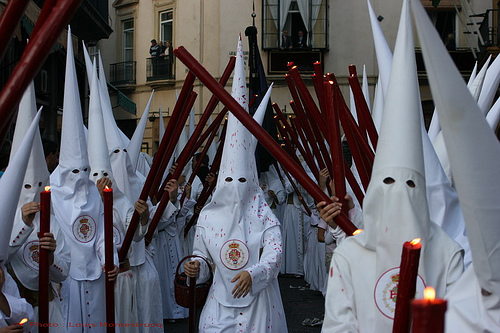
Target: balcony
{"points": [[304, 60], [122, 74], [160, 69]]}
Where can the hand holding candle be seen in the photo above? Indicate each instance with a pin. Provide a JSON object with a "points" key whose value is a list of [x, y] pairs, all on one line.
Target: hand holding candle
{"points": [[428, 313]]}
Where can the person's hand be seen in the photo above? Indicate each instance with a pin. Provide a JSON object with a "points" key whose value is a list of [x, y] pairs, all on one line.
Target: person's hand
{"points": [[112, 273], [349, 202], [192, 268], [16, 328], [102, 183], [142, 208], [328, 212], [48, 242], [323, 177], [172, 188], [243, 286], [271, 194], [28, 211], [187, 190], [172, 168]]}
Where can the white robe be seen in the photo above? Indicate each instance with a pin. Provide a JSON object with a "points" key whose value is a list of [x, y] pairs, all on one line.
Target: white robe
{"points": [[149, 304], [168, 252], [314, 257], [265, 313], [24, 262], [468, 310], [19, 308], [350, 305]]}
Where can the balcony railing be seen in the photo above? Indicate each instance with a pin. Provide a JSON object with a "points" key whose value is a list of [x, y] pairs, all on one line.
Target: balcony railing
{"points": [[278, 60], [160, 68], [122, 73]]}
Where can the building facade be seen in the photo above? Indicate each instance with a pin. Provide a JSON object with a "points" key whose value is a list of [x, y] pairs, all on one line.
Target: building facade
{"points": [[337, 33]]}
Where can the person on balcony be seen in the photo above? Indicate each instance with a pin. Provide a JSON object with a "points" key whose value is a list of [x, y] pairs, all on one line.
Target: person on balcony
{"points": [[154, 51], [286, 41], [301, 42]]}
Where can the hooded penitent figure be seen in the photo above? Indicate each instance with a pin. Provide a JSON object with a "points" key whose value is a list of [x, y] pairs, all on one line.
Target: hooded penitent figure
{"points": [[474, 152], [24, 241], [361, 287], [100, 167], [239, 234], [12, 179], [78, 208]]}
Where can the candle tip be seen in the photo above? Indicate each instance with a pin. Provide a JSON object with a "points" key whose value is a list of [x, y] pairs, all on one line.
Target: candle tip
{"points": [[429, 293], [415, 241], [47, 188], [357, 231], [23, 321]]}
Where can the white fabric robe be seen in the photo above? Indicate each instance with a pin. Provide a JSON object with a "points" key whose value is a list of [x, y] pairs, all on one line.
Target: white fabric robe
{"points": [[468, 310], [265, 313], [349, 304], [19, 308], [168, 253], [23, 260]]}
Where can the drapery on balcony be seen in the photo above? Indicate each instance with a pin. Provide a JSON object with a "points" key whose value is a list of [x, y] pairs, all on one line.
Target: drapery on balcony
{"points": [[160, 68], [122, 73]]}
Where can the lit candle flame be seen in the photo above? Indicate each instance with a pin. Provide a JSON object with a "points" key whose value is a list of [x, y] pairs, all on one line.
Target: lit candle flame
{"points": [[23, 321], [331, 82], [415, 241], [357, 231], [47, 188], [429, 293]]}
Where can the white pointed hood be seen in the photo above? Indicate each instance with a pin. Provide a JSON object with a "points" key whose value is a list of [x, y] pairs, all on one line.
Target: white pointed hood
{"points": [[490, 86], [100, 166], [37, 174], [399, 156], [384, 61], [134, 147], [474, 154], [11, 182], [395, 207], [238, 214], [161, 125], [76, 202]]}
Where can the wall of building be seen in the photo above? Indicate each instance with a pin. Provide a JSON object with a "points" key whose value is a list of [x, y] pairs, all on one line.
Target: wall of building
{"points": [[209, 29]]}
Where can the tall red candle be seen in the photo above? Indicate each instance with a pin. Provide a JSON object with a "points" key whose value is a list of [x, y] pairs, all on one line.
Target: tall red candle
{"points": [[407, 285], [261, 135], [107, 195], [43, 264], [428, 313]]}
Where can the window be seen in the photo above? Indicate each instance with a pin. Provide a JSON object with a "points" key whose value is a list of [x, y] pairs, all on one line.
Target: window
{"points": [[166, 25], [308, 16], [128, 40]]}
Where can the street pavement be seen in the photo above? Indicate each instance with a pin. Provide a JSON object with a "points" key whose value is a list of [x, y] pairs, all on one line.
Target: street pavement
{"points": [[299, 302]]}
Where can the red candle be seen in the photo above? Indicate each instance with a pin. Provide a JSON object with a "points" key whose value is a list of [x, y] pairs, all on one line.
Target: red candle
{"points": [[109, 265], [158, 167], [407, 285], [43, 263], [264, 138], [428, 313]]}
